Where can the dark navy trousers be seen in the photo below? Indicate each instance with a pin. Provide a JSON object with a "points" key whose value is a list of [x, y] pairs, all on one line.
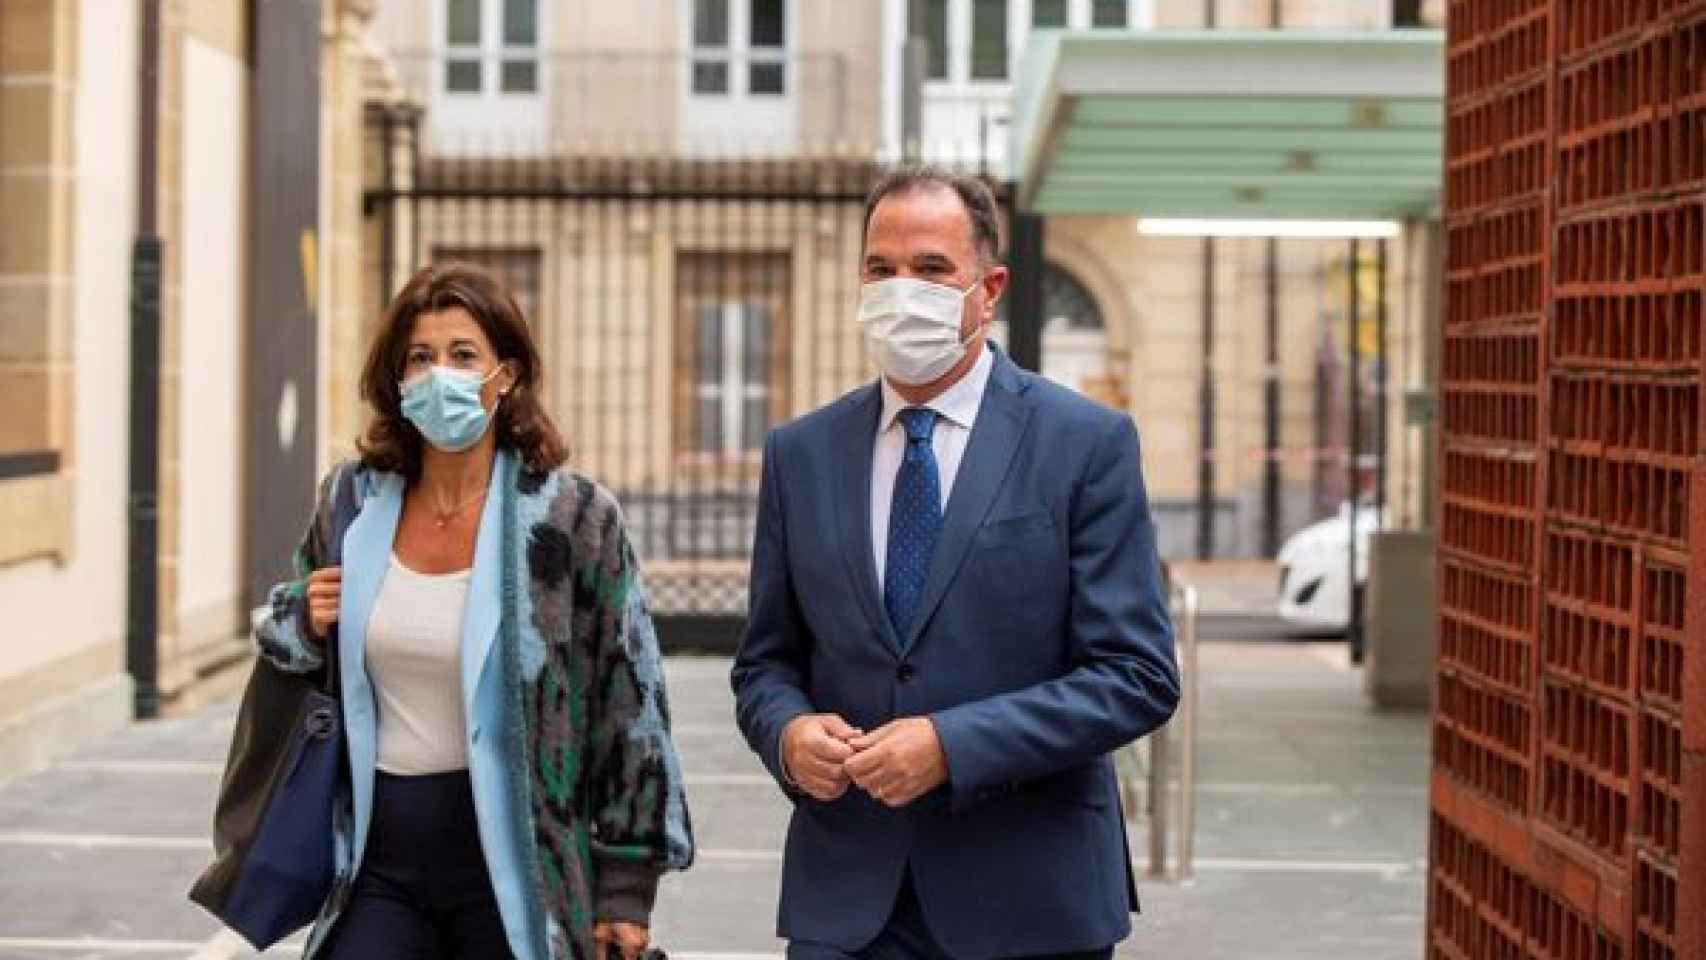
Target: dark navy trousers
{"points": [[908, 937], [423, 892]]}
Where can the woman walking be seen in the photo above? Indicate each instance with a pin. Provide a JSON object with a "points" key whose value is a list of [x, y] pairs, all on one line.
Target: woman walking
{"points": [[513, 787]]}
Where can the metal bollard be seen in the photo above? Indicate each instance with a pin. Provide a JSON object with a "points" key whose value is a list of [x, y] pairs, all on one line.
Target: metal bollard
{"points": [[1183, 727], [1158, 801], [1188, 733]]}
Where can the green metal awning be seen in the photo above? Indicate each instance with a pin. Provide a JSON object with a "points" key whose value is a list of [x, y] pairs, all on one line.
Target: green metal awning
{"points": [[1269, 124]]}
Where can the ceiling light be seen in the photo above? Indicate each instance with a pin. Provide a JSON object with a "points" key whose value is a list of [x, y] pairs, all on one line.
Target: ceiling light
{"points": [[1307, 229]]}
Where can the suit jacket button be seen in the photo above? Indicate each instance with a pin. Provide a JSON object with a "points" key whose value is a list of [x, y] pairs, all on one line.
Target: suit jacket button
{"points": [[906, 673]]}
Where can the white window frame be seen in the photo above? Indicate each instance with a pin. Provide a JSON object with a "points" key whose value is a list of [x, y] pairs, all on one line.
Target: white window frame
{"points": [[732, 389], [492, 53], [460, 122], [713, 120], [740, 55], [1140, 15], [1014, 42], [957, 93]]}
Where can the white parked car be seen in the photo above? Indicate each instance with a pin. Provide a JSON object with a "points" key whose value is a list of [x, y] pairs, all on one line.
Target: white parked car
{"points": [[1314, 588]]}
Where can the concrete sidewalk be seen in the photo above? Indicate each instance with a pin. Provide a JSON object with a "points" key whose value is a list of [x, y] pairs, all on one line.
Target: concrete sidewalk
{"points": [[1311, 825]]}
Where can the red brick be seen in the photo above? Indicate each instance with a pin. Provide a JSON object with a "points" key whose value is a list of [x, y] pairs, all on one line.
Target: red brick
{"points": [[1691, 863], [1497, 149], [1694, 651], [1565, 875], [1606, 325], [1585, 25], [1586, 768], [1486, 627], [1491, 43]]}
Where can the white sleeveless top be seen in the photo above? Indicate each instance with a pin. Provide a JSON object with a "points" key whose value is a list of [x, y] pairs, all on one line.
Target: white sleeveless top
{"points": [[414, 642]]}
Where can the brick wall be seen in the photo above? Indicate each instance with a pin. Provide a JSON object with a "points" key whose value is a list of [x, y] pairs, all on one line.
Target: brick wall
{"points": [[1569, 787]]}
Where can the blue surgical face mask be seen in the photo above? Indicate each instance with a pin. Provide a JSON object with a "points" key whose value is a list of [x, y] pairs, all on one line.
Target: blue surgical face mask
{"points": [[444, 405]]}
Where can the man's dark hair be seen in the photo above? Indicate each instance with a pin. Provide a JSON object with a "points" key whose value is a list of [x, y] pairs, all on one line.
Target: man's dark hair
{"points": [[979, 202]]}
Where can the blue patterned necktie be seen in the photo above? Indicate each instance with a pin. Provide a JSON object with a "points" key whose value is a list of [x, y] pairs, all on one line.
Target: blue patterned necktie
{"points": [[915, 521]]}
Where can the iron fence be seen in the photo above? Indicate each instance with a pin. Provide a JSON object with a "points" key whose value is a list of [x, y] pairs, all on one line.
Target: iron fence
{"points": [[684, 306]]}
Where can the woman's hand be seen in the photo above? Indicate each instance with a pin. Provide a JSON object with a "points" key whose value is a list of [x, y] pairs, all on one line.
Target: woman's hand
{"points": [[631, 938], [325, 587]]}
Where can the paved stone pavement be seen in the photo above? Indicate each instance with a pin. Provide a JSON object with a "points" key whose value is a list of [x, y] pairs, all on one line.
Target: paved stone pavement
{"points": [[1311, 826]]}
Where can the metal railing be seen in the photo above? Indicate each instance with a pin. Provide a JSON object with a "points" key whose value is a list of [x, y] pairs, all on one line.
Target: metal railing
{"points": [[1156, 767]]}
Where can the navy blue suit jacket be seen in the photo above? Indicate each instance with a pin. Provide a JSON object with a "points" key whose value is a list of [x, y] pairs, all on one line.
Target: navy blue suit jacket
{"points": [[1042, 643]]}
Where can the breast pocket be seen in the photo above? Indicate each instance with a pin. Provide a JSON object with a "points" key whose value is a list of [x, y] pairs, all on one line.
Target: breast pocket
{"points": [[1021, 566]]}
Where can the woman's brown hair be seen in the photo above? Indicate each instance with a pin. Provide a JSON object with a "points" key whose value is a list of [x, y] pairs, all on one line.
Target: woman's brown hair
{"points": [[391, 443]]}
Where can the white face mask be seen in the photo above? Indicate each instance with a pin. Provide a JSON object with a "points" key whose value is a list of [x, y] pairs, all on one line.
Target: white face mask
{"points": [[913, 327]]}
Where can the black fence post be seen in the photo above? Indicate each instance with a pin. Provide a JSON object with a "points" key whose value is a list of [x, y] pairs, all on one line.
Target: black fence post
{"points": [[1206, 412], [388, 211], [1271, 399], [1025, 312], [1353, 444], [1382, 389]]}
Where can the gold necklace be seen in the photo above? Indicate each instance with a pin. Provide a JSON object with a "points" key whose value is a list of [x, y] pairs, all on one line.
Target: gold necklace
{"points": [[443, 515]]}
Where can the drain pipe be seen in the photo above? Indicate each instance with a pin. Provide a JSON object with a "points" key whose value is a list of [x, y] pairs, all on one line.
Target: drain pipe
{"points": [[142, 586]]}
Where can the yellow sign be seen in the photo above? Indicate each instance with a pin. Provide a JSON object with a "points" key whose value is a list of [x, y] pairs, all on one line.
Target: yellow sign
{"points": [[309, 250], [1368, 300]]}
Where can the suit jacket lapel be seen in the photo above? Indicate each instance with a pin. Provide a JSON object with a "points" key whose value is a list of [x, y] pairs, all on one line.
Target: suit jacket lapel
{"points": [[1001, 421], [853, 508]]}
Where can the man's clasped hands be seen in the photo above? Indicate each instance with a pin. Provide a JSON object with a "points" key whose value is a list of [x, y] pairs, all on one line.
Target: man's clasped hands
{"points": [[824, 756]]}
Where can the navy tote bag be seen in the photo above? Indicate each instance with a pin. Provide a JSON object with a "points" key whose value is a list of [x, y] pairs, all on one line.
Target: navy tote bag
{"points": [[272, 828]]}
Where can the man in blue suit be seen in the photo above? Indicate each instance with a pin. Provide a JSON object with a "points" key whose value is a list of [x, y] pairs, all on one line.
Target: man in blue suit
{"points": [[956, 614]]}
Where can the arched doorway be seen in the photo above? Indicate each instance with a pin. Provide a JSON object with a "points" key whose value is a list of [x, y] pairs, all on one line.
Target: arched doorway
{"points": [[1075, 339]]}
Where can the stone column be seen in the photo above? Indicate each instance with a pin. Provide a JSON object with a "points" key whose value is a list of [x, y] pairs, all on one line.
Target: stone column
{"points": [[348, 303], [38, 82]]}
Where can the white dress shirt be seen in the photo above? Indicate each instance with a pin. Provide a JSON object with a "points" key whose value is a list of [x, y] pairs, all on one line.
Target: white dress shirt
{"points": [[956, 410]]}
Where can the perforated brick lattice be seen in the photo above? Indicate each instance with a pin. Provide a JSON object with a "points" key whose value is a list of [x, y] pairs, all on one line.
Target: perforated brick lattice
{"points": [[1569, 808]]}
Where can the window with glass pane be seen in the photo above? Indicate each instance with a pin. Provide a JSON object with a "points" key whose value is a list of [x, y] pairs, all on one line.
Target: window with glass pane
{"points": [[521, 23], [769, 28], [462, 76], [463, 30], [1048, 13], [755, 377], [989, 40], [710, 46], [708, 412], [929, 19], [770, 79], [732, 368], [1109, 13], [462, 35], [710, 23], [520, 76], [517, 268], [767, 73], [732, 357], [710, 77], [520, 69]]}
